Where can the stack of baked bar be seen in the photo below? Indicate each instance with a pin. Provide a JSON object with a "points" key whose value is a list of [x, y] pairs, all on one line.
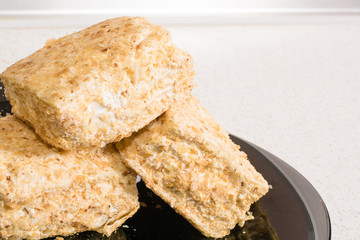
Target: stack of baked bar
{"points": [[120, 81]]}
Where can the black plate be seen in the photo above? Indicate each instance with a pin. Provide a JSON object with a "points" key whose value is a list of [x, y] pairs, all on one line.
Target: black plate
{"points": [[292, 210]]}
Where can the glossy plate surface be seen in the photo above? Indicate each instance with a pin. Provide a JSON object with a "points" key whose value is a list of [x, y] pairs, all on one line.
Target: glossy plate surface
{"points": [[291, 210]]}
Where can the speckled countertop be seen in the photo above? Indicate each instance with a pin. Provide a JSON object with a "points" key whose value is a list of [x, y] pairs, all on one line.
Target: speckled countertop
{"points": [[294, 90]]}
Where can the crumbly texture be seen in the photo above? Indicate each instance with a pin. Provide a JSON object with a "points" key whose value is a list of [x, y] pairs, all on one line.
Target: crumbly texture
{"points": [[98, 85], [47, 192], [191, 163]]}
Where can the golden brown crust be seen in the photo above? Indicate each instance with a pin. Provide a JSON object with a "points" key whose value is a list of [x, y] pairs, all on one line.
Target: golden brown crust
{"points": [[189, 161], [46, 192], [100, 84]]}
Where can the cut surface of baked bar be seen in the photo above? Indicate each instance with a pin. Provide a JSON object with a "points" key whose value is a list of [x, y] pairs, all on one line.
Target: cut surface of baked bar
{"points": [[46, 192], [100, 84], [191, 163]]}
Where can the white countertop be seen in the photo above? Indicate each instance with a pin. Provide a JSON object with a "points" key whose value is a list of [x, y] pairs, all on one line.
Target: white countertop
{"points": [[293, 90]]}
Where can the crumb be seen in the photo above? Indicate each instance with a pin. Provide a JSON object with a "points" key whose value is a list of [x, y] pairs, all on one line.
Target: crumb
{"points": [[125, 226], [158, 206], [143, 204]]}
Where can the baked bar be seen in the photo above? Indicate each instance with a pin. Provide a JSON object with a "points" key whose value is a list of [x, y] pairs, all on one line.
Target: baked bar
{"points": [[46, 192], [191, 163], [98, 85]]}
